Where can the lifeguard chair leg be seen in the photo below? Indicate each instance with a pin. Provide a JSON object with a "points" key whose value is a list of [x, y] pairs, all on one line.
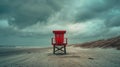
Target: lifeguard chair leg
{"points": [[64, 49], [54, 49]]}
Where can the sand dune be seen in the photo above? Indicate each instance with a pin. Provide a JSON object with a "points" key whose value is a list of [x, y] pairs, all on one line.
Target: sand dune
{"points": [[105, 43], [43, 57]]}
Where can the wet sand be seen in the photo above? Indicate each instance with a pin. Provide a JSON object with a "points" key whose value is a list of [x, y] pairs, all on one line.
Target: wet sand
{"points": [[75, 57]]}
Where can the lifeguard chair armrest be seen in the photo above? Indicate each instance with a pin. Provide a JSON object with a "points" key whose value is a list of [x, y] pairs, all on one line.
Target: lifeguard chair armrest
{"points": [[66, 40], [52, 41]]}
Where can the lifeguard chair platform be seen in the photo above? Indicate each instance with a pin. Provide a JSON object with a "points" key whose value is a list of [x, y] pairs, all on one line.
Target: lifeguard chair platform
{"points": [[59, 42]]}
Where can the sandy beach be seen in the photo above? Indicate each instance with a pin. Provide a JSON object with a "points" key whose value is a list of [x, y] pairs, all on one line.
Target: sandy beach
{"points": [[75, 57]]}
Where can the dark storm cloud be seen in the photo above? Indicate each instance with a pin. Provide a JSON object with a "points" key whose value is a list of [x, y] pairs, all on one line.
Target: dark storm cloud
{"points": [[96, 9], [113, 21], [28, 12]]}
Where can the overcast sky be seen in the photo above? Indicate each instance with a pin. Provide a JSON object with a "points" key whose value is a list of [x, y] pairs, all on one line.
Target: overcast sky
{"points": [[31, 22]]}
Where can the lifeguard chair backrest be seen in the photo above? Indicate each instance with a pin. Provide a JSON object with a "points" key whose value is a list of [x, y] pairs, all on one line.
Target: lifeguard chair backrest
{"points": [[59, 36]]}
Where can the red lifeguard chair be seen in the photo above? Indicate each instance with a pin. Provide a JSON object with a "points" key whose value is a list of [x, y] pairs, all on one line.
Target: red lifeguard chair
{"points": [[59, 42]]}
